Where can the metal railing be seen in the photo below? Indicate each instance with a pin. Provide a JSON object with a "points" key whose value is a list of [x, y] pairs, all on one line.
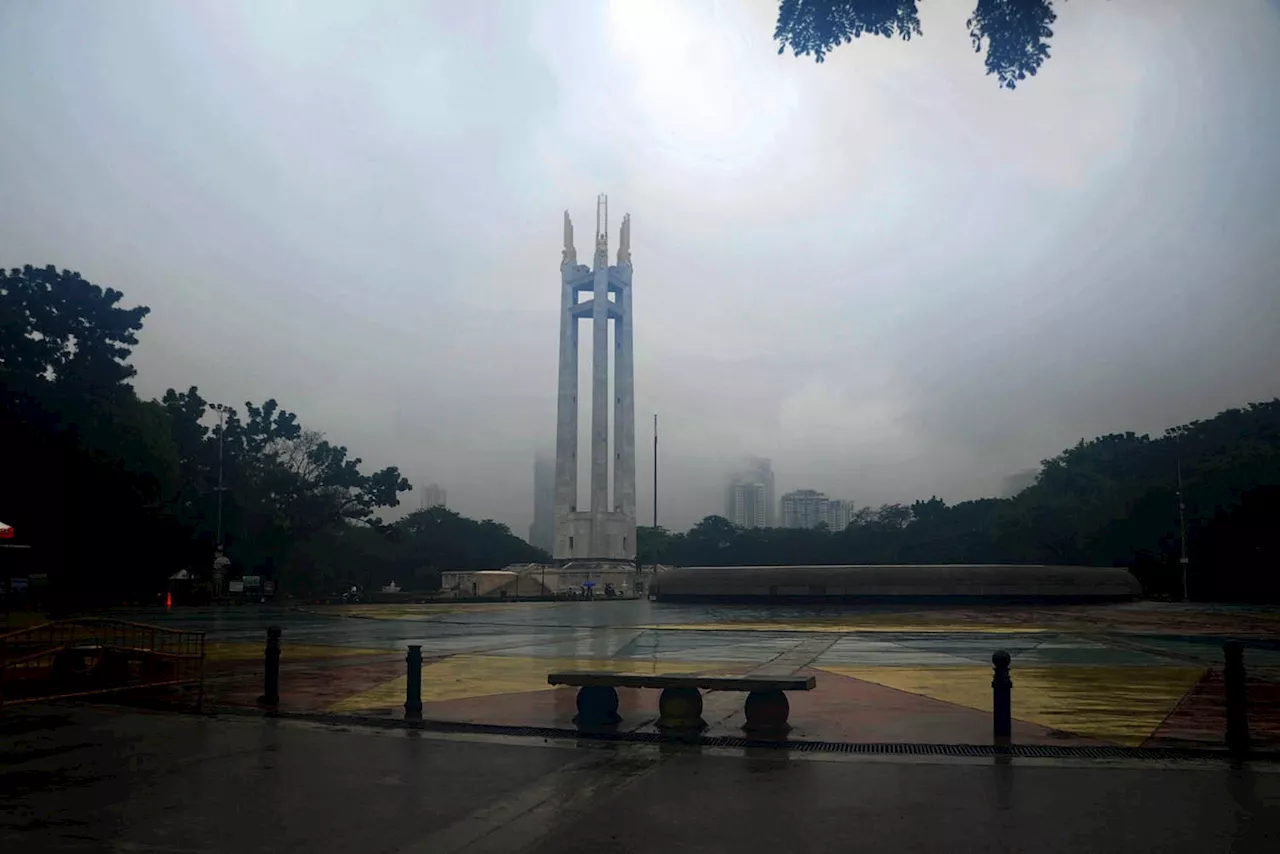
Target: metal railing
{"points": [[96, 655]]}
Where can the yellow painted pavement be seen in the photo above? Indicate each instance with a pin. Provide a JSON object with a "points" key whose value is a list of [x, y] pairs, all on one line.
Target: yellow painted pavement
{"points": [[250, 650], [463, 676], [846, 625], [403, 612], [12, 621], [1123, 705]]}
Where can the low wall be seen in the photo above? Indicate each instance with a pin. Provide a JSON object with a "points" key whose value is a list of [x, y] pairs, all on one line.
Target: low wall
{"points": [[986, 582]]}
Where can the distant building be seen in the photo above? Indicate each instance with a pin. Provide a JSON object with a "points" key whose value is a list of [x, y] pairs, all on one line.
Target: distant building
{"points": [[839, 514], [749, 503], [542, 533], [805, 508], [432, 496]]}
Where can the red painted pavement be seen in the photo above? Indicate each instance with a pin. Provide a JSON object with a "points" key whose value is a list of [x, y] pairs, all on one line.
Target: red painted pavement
{"points": [[310, 687], [1200, 719], [839, 709]]}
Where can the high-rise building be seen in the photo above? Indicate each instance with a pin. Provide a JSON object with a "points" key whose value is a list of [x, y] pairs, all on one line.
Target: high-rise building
{"points": [[433, 495], [805, 508], [749, 503], [839, 514], [606, 530], [542, 533]]}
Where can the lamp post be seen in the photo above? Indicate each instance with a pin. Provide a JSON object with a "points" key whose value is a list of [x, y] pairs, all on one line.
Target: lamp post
{"points": [[219, 561], [1182, 526], [655, 471], [217, 540]]}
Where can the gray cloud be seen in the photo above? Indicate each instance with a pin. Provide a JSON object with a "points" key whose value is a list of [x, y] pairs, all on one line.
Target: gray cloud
{"points": [[884, 273]]}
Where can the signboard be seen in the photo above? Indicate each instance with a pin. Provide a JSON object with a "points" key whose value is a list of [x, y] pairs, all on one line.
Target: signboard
{"points": [[252, 582], [235, 586], [16, 584], [268, 588]]}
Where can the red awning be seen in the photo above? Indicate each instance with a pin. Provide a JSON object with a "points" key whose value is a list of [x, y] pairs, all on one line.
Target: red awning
{"points": [[6, 531]]}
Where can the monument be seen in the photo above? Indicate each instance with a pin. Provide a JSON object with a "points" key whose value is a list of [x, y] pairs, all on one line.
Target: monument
{"points": [[605, 530]]}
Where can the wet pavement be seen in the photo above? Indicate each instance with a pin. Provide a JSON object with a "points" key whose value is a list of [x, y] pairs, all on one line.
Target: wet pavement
{"points": [[1140, 674], [550, 618], [99, 779], [1130, 675]]}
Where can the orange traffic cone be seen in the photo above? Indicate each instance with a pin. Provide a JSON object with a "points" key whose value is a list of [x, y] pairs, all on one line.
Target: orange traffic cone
{"points": [[168, 600]]}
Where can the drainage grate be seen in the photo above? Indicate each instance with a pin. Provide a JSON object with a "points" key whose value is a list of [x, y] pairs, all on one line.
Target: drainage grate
{"points": [[1022, 751]]}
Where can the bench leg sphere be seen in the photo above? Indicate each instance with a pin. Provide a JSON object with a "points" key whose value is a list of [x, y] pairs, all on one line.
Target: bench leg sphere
{"points": [[680, 708], [767, 712], [597, 705]]}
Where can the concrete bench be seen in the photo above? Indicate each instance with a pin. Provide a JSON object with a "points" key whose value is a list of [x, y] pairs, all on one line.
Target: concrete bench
{"points": [[680, 704]]}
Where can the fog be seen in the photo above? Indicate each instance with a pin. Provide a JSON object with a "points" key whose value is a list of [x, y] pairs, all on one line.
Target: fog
{"points": [[884, 272]]}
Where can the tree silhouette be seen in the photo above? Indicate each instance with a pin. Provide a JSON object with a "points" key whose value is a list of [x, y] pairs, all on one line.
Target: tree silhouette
{"points": [[1015, 33], [1108, 501], [114, 493]]}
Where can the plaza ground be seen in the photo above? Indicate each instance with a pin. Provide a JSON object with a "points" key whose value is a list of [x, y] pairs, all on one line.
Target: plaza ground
{"points": [[1131, 675], [337, 770], [80, 778]]}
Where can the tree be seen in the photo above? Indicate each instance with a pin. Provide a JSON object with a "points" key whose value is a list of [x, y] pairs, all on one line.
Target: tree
{"points": [[441, 539], [89, 468], [64, 349], [194, 502], [927, 511], [284, 484], [115, 493], [654, 545], [893, 516], [1015, 33], [710, 542], [313, 481], [352, 554], [1109, 501]]}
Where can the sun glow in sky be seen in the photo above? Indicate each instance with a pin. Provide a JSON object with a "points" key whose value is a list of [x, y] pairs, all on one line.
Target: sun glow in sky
{"points": [[697, 87]]}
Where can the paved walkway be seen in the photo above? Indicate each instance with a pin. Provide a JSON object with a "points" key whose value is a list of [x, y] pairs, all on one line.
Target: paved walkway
{"points": [[1128, 675], [1124, 675], [84, 779]]}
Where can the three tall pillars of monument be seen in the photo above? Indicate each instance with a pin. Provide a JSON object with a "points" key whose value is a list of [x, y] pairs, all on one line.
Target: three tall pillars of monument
{"points": [[606, 529]]}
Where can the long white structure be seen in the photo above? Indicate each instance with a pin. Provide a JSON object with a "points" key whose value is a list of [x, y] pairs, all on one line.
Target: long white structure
{"points": [[606, 530]]}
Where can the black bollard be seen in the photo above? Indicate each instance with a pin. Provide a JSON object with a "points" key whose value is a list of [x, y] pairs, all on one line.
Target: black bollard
{"points": [[1237, 699], [1001, 697], [413, 684], [271, 676]]}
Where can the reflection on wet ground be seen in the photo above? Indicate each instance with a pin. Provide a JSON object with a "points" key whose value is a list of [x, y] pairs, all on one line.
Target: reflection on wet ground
{"points": [[103, 778], [1131, 674]]}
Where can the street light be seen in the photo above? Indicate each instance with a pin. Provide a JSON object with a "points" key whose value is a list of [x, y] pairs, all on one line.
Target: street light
{"points": [[220, 562], [655, 471], [1182, 526], [217, 540]]}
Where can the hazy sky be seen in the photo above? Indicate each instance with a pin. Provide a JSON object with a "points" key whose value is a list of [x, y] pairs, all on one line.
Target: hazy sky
{"points": [[884, 272]]}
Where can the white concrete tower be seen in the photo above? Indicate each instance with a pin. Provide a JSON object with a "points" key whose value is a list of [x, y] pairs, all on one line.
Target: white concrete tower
{"points": [[607, 529]]}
